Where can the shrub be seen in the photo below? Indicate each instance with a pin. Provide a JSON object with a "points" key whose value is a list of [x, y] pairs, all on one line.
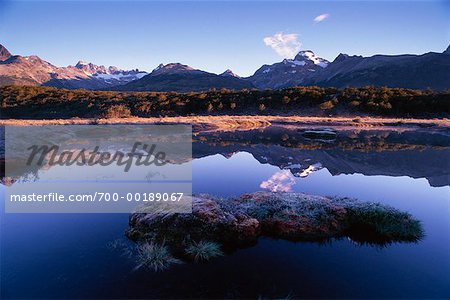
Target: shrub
{"points": [[117, 111], [354, 103], [144, 107], [286, 100], [327, 105], [262, 107], [162, 97]]}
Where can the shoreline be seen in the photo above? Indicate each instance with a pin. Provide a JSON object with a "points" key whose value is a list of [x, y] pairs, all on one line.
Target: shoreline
{"points": [[233, 122]]}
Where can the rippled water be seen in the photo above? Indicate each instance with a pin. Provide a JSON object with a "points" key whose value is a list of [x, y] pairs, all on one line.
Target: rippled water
{"points": [[67, 255]]}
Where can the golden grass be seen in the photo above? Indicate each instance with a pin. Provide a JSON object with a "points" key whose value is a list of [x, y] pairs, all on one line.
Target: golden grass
{"points": [[231, 123]]}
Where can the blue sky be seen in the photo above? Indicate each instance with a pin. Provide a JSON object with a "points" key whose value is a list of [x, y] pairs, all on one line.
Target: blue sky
{"points": [[213, 35]]}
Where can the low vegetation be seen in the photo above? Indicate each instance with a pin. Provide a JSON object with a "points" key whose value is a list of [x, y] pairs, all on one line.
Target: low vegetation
{"points": [[156, 257], [203, 250], [383, 223], [28, 102], [292, 216]]}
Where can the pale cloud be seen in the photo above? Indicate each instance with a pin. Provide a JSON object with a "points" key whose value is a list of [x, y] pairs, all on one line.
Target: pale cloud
{"points": [[281, 181], [321, 18], [285, 45]]}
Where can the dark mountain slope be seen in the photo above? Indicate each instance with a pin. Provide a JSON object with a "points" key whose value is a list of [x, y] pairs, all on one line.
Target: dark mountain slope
{"points": [[181, 78], [289, 72], [4, 53], [430, 70]]}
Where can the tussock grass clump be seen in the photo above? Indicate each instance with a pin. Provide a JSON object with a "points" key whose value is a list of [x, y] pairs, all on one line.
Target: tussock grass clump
{"points": [[154, 256], [203, 250], [385, 223]]}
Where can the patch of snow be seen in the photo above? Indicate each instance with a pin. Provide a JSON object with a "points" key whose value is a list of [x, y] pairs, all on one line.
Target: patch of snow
{"points": [[119, 76], [310, 169], [299, 63], [312, 57], [266, 70], [140, 75], [159, 67], [294, 166]]}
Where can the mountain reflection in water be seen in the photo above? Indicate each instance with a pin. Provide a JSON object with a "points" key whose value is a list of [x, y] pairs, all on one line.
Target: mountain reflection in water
{"points": [[301, 151], [416, 154]]}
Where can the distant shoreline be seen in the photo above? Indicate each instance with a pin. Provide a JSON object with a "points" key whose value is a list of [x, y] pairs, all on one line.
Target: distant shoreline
{"points": [[232, 122]]}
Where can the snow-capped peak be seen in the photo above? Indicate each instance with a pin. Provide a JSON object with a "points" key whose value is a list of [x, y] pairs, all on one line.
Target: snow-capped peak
{"points": [[110, 75], [308, 55]]}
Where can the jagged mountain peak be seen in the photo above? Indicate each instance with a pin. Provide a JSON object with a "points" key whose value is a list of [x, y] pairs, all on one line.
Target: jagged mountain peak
{"points": [[93, 69], [174, 68], [229, 72], [308, 55], [4, 53], [341, 57], [90, 68], [32, 70], [32, 59], [82, 63]]}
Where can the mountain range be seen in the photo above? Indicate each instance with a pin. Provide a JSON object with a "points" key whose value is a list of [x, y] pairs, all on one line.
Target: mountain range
{"points": [[182, 78], [429, 70], [32, 70]]}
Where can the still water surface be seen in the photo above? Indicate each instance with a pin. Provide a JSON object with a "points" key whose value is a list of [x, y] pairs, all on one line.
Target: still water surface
{"points": [[66, 255]]}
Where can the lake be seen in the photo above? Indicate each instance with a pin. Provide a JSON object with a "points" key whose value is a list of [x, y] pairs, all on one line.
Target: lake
{"points": [[70, 255]]}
